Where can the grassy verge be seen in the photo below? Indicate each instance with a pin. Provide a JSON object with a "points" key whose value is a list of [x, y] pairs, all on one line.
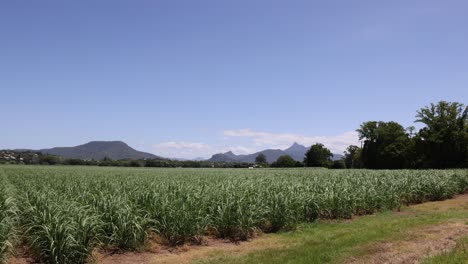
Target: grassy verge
{"points": [[335, 242]]}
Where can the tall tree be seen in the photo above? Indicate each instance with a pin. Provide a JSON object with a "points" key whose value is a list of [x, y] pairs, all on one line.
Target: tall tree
{"points": [[284, 161], [318, 156], [386, 145], [351, 156], [443, 142]]}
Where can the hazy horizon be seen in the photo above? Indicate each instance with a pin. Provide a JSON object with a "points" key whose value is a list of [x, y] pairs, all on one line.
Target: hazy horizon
{"points": [[188, 79]]}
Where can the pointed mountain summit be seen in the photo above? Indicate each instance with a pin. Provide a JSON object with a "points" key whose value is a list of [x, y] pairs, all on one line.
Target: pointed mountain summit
{"points": [[224, 157], [296, 151], [230, 154], [295, 147]]}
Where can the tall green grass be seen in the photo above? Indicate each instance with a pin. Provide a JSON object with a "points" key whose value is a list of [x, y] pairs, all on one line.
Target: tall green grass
{"points": [[66, 212], [8, 219]]}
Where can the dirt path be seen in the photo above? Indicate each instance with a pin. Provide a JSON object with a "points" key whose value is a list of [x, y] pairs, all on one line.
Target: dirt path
{"points": [[425, 242], [188, 254]]}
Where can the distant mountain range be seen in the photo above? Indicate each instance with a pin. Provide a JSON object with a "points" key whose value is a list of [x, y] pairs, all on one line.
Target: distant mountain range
{"points": [[296, 151], [118, 150], [98, 150]]}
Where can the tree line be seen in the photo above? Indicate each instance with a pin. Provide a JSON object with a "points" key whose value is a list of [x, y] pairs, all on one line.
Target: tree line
{"points": [[441, 143], [38, 158]]}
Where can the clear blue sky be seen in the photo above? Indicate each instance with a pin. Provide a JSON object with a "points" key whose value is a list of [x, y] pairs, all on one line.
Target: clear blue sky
{"points": [[189, 78]]}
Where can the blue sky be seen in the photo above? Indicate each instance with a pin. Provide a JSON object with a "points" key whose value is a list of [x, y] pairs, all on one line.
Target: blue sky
{"points": [[191, 78]]}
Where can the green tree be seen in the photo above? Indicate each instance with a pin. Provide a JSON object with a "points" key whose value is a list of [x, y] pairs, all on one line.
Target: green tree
{"points": [[49, 159], [318, 156], [285, 161], [357, 163], [386, 145], [261, 159], [443, 142], [338, 164], [298, 164], [350, 156]]}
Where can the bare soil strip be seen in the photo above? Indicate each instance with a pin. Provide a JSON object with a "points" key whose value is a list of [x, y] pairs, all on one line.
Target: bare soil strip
{"points": [[187, 254]]}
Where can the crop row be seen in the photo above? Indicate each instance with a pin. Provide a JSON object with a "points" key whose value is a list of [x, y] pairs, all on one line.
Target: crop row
{"points": [[8, 219], [67, 212]]}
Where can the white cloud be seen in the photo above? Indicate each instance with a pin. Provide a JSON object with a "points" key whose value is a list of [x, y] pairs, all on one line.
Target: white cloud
{"points": [[190, 150], [181, 145], [251, 142], [186, 150], [336, 144]]}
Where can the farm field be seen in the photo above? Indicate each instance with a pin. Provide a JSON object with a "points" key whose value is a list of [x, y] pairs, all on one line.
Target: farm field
{"points": [[64, 214], [428, 233]]}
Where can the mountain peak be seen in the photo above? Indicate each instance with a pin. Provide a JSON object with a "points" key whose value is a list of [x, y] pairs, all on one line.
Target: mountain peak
{"points": [[296, 147], [230, 155], [296, 151]]}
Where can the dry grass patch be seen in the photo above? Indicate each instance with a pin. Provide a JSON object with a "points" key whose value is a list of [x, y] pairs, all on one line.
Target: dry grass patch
{"points": [[460, 202], [421, 243], [189, 253]]}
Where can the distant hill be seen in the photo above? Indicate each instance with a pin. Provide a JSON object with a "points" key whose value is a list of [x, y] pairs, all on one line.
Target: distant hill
{"points": [[296, 151], [98, 150]]}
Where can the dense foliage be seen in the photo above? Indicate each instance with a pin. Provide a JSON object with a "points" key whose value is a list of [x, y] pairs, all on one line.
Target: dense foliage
{"points": [[318, 156], [286, 161], [66, 212], [37, 158], [386, 145], [441, 143], [261, 159]]}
